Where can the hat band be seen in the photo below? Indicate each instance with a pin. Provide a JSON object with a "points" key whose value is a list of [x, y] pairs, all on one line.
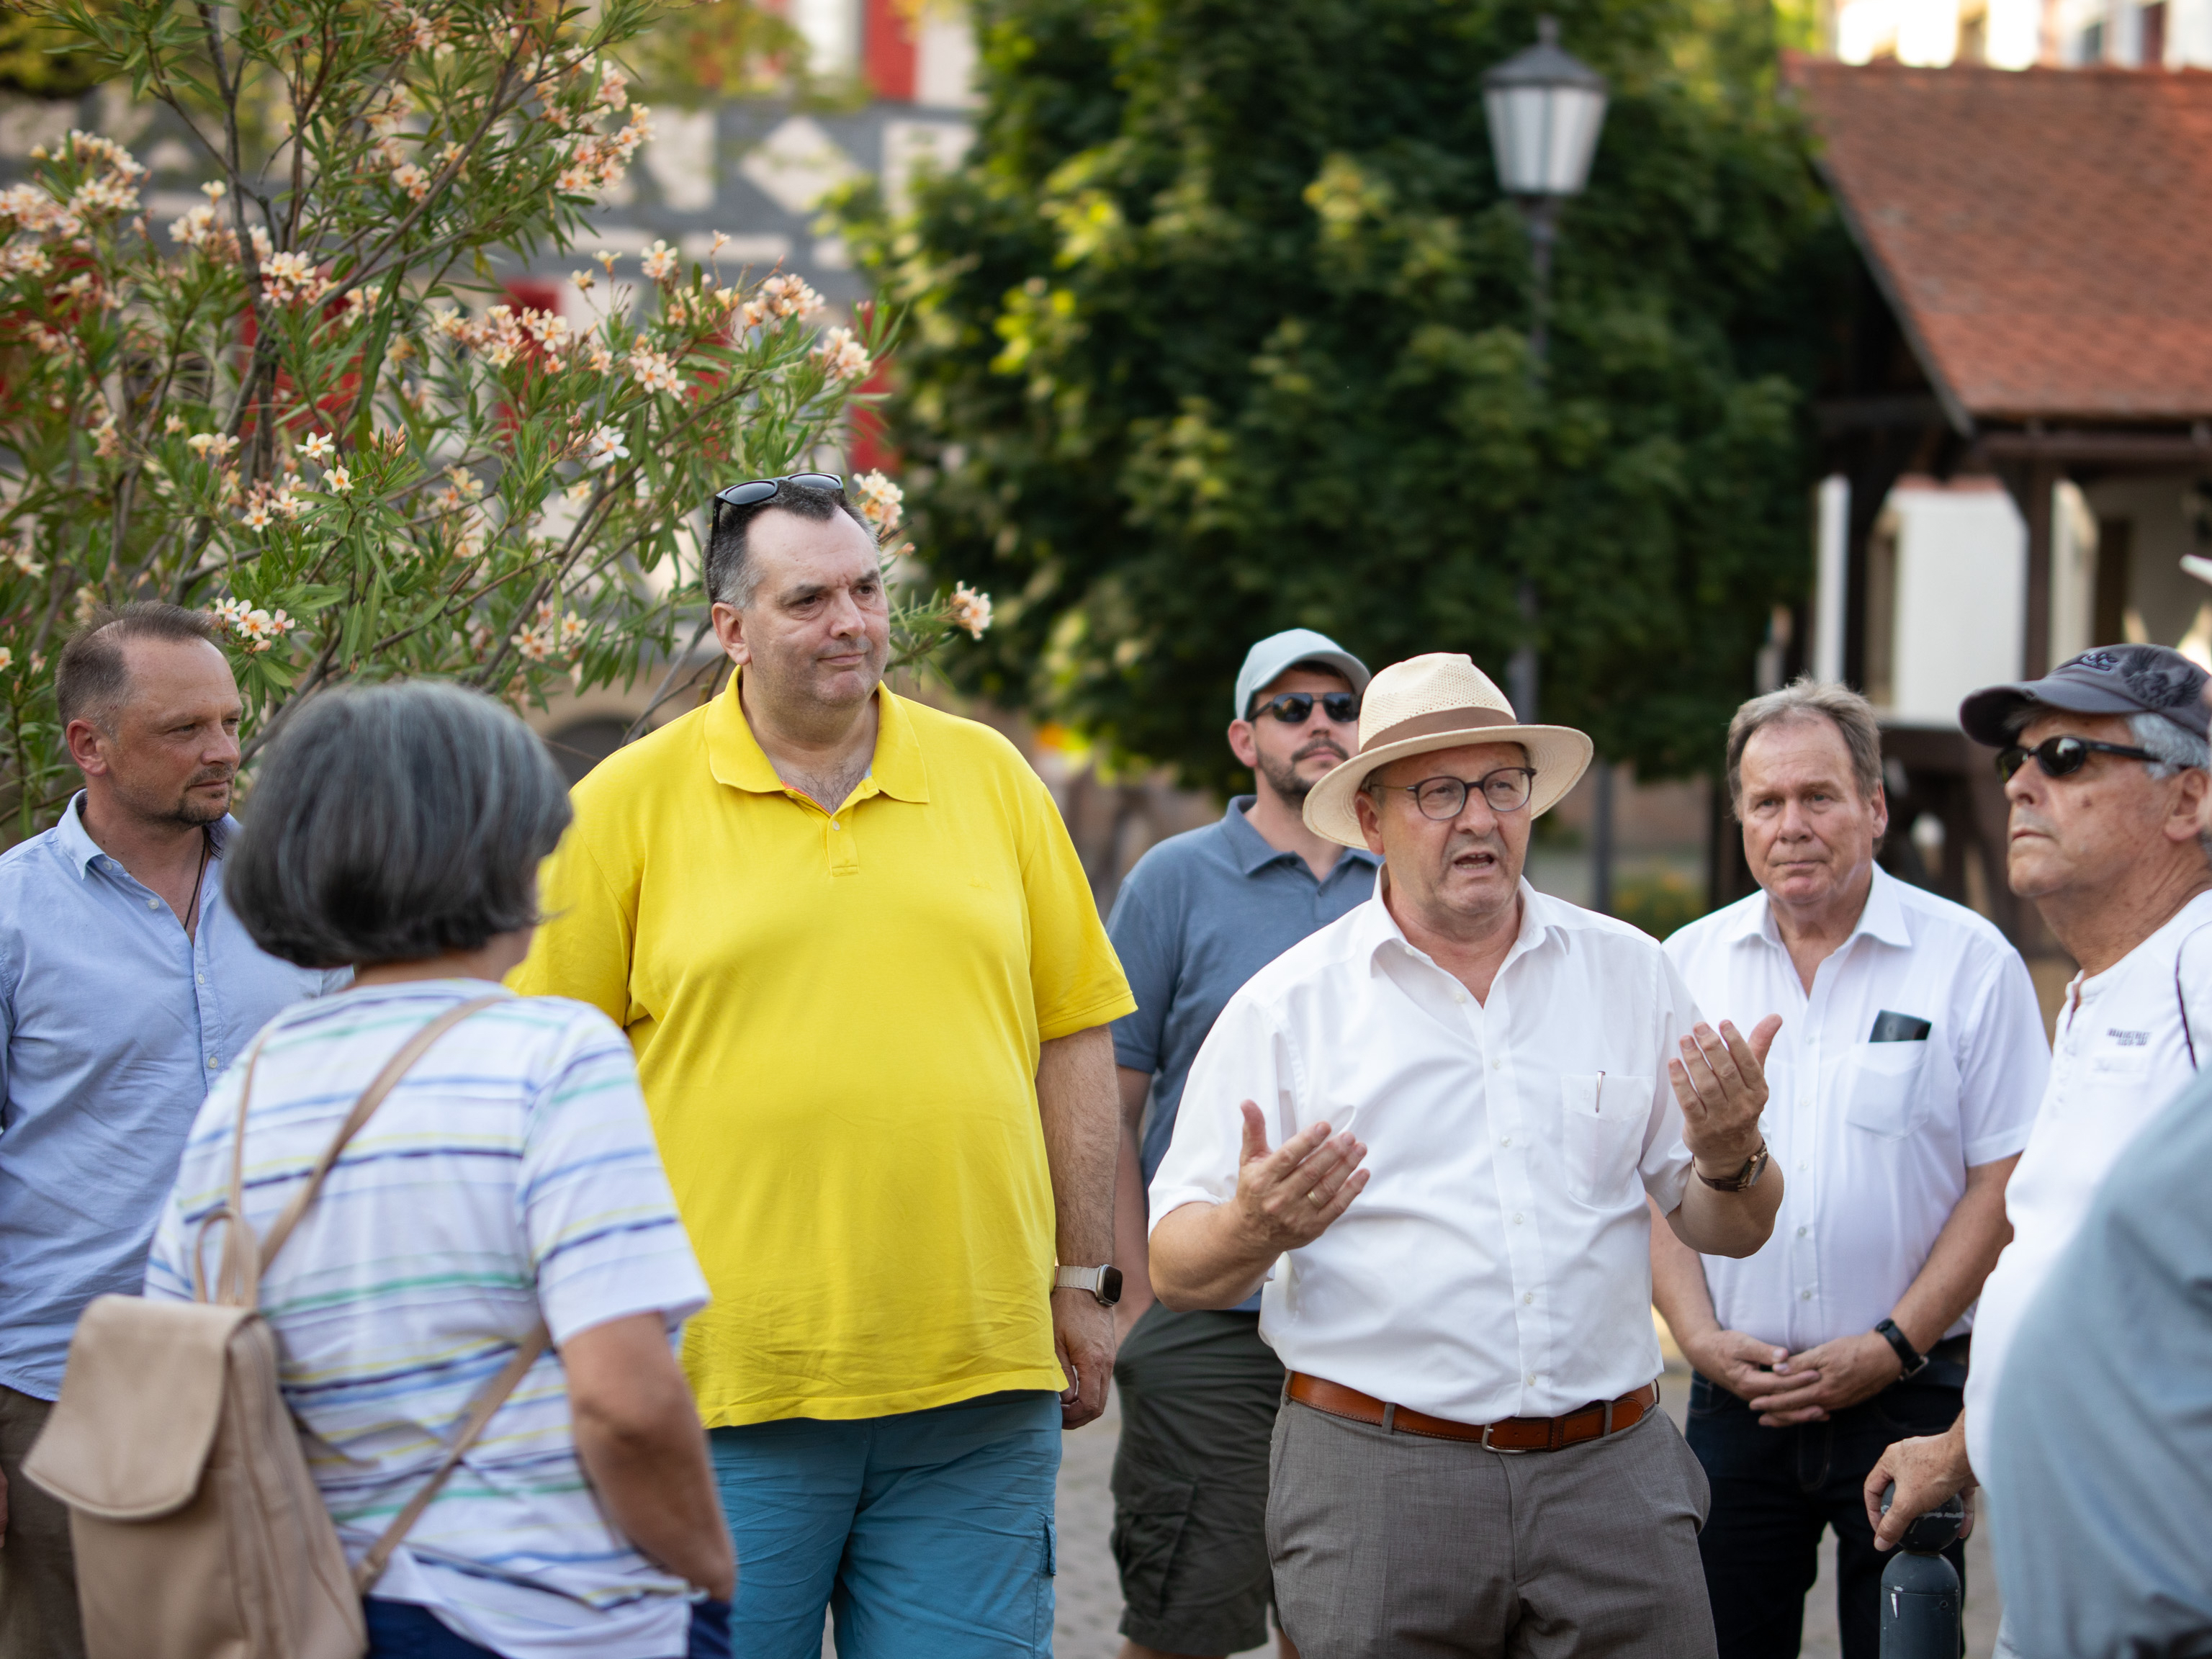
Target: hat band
{"points": [[1428, 726]]}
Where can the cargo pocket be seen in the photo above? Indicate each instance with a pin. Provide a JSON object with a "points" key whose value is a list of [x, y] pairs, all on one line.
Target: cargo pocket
{"points": [[1151, 1510], [1047, 1593]]}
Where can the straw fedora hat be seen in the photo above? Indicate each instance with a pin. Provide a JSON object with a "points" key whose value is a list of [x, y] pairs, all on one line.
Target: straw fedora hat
{"points": [[1439, 700]]}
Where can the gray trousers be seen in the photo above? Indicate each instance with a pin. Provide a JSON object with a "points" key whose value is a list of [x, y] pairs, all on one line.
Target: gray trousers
{"points": [[1395, 1546], [39, 1617]]}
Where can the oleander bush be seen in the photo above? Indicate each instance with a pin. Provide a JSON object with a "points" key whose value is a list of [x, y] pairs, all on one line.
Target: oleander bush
{"points": [[307, 406]]}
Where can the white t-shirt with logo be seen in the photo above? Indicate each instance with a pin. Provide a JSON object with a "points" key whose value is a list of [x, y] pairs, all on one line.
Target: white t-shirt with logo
{"points": [[2124, 1048]]}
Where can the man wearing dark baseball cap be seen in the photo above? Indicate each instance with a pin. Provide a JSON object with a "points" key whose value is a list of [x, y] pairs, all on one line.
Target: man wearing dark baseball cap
{"points": [[2105, 762], [2113, 679]]}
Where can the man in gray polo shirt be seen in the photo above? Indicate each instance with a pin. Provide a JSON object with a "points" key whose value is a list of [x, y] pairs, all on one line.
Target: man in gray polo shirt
{"points": [[1199, 914]]}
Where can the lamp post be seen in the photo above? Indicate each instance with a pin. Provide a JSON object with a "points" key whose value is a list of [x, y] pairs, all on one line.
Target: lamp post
{"points": [[1546, 109]]}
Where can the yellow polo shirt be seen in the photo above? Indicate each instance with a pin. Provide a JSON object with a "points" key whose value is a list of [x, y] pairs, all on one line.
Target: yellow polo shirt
{"points": [[836, 1017]]}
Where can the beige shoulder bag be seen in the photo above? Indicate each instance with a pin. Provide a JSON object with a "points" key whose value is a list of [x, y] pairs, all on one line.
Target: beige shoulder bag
{"points": [[198, 1530]]}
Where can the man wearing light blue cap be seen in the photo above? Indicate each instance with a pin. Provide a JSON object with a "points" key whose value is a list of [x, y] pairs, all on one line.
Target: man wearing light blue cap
{"points": [[1199, 914]]}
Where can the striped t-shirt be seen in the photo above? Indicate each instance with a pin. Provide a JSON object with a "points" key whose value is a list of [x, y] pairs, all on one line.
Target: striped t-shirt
{"points": [[512, 1170]]}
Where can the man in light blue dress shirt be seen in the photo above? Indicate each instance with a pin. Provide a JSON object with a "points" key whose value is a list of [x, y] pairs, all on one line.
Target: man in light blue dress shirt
{"points": [[126, 986]]}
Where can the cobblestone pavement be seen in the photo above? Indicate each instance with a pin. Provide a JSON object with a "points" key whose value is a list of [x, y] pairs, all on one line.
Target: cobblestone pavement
{"points": [[1090, 1598]]}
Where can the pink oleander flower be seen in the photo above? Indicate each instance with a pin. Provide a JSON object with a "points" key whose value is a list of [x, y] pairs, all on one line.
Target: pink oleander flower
{"points": [[970, 610], [842, 356], [880, 501]]}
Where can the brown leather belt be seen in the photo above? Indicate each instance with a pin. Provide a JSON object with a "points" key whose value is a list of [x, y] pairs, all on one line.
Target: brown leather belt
{"points": [[1515, 1434]]}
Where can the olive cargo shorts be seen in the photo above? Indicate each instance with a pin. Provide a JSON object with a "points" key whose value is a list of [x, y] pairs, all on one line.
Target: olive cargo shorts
{"points": [[1199, 1393]]}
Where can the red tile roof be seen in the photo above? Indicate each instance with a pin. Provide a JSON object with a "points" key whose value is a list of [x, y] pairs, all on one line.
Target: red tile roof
{"points": [[2046, 233]]}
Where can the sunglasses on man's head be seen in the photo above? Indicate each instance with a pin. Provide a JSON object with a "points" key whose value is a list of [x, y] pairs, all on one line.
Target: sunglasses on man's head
{"points": [[1296, 707], [756, 490], [2061, 757]]}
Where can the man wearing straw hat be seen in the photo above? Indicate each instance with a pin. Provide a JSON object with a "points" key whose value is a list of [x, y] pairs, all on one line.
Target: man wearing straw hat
{"points": [[1429, 1130]]}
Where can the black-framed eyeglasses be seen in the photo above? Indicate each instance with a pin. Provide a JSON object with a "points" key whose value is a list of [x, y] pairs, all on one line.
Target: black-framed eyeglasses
{"points": [[2061, 757], [753, 492], [1505, 790], [1296, 707]]}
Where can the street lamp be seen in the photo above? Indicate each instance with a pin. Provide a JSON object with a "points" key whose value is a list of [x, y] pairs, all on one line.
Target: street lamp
{"points": [[1545, 109]]}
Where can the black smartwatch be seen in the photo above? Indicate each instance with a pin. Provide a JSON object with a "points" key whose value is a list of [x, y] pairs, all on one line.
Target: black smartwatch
{"points": [[1911, 1358]]}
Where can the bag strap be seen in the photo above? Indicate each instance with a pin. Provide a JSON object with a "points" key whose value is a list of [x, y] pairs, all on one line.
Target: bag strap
{"points": [[488, 1400], [245, 1258], [240, 1276]]}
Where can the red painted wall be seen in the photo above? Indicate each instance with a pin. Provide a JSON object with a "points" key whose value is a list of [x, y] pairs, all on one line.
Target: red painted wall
{"points": [[887, 40]]}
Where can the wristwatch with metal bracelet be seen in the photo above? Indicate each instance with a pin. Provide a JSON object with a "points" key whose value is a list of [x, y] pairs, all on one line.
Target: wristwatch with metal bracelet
{"points": [[1103, 1282]]}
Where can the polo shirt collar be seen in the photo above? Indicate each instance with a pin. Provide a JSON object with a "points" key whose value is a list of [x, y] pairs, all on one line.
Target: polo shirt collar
{"points": [[1251, 848], [81, 849], [735, 758], [1881, 917]]}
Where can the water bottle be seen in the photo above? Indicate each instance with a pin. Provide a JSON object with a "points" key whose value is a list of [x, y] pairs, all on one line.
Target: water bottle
{"points": [[1922, 1606]]}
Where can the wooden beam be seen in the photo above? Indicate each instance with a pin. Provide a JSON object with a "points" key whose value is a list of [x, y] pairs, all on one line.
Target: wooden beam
{"points": [[2171, 448], [2040, 481]]}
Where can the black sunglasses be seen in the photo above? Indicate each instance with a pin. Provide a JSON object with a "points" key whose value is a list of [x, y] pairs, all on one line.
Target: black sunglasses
{"points": [[2061, 757], [1296, 707], [752, 494]]}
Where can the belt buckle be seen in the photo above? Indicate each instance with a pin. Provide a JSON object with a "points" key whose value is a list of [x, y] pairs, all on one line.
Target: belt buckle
{"points": [[1504, 1451]]}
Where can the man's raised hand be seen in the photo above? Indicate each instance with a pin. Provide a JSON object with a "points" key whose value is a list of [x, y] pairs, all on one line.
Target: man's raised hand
{"points": [[1720, 1082], [1287, 1198]]}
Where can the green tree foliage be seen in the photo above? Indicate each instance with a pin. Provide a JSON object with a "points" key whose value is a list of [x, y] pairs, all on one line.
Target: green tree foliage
{"points": [[1221, 328], [42, 58]]}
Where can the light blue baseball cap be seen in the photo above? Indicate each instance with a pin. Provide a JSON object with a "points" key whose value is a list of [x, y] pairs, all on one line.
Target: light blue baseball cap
{"points": [[1280, 651]]}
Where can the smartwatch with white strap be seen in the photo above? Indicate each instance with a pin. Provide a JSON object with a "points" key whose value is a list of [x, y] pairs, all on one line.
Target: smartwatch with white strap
{"points": [[1103, 1282]]}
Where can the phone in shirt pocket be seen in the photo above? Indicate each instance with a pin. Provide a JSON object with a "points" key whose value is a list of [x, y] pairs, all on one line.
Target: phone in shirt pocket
{"points": [[1602, 1118], [1883, 1075]]}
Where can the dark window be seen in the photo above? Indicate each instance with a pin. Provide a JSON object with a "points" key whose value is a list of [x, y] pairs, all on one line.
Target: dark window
{"points": [[2115, 546]]}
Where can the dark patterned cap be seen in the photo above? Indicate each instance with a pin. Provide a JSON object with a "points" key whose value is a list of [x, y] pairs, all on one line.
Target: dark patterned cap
{"points": [[2113, 679]]}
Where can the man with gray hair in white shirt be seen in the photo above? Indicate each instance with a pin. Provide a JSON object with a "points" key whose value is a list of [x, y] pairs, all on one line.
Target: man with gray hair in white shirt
{"points": [[1910, 1059], [1471, 1089]]}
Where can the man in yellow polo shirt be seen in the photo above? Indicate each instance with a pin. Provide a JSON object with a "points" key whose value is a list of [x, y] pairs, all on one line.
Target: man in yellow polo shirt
{"points": [[869, 992]]}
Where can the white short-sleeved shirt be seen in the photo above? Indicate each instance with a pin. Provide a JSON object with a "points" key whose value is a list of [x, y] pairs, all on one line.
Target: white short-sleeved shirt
{"points": [[511, 1172], [1498, 1263], [1875, 1138], [2123, 1050]]}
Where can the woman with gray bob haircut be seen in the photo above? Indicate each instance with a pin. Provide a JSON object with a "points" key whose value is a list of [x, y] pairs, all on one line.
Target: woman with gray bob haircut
{"points": [[394, 822], [508, 1188]]}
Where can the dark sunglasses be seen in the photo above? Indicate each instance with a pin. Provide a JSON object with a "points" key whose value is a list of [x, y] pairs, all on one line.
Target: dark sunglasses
{"points": [[2061, 757], [1296, 707], [757, 491]]}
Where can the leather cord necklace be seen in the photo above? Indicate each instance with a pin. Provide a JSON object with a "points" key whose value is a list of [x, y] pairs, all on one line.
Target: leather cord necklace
{"points": [[192, 904]]}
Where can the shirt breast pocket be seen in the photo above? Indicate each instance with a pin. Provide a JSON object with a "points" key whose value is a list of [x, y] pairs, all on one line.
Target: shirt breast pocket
{"points": [[1602, 1117], [1884, 1084]]}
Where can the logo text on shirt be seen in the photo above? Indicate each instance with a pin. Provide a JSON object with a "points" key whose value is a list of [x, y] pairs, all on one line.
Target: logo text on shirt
{"points": [[2129, 1039]]}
